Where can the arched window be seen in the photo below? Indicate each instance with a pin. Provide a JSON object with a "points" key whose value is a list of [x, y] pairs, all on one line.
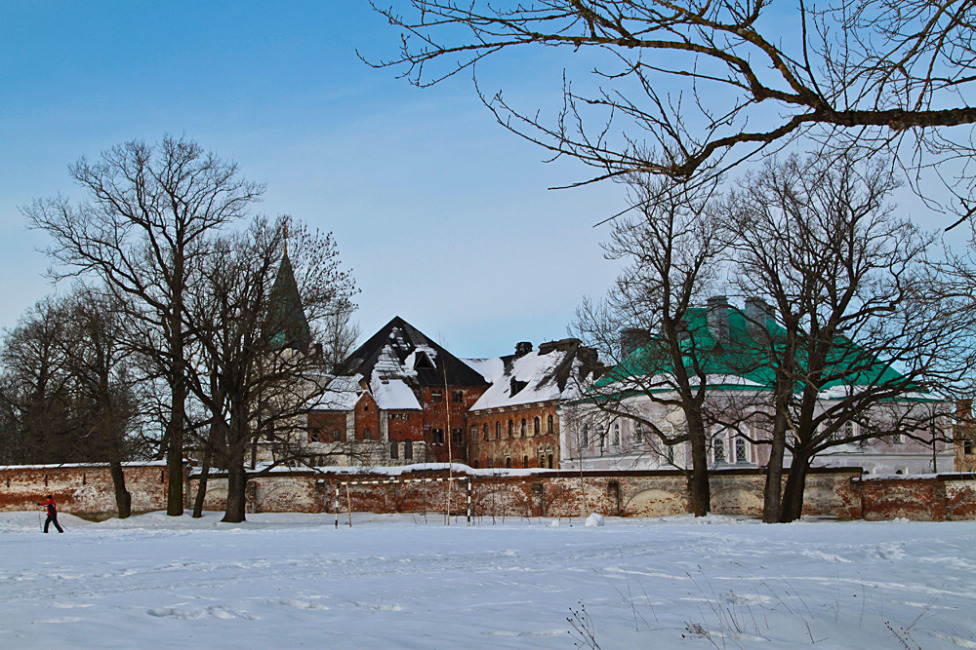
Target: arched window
{"points": [[741, 450], [718, 450], [525, 462], [407, 450], [549, 426], [536, 426], [615, 438], [638, 433], [485, 432], [498, 430], [366, 433], [508, 461], [585, 436], [522, 429], [511, 430], [393, 450]]}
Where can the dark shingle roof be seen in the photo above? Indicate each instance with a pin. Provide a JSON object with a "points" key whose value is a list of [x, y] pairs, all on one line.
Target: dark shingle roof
{"points": [[401, 351]]}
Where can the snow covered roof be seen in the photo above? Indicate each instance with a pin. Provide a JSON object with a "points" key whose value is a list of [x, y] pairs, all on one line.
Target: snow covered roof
{"points": [[342, 394], [553, 372], [393, 395]]}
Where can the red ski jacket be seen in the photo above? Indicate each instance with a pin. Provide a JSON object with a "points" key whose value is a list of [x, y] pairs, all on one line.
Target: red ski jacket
{"points": [[49, 504]]}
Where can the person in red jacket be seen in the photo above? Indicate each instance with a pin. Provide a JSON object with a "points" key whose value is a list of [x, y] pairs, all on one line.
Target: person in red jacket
{"points": [[52, 514]]}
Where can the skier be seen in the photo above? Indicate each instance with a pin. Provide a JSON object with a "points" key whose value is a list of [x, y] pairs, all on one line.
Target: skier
{"points": [[52, 514]]}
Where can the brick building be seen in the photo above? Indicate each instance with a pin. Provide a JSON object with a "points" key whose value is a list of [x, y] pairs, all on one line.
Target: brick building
{"points": [[402, 398], [515, 422]]}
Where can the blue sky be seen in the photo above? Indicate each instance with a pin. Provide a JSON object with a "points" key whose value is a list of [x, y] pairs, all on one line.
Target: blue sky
{"points": [[444, 217]]}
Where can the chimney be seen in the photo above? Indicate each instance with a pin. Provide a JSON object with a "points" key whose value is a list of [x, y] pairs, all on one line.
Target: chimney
{"points": [[522, 348], [631, 339], [757, 315], [718, 319]]}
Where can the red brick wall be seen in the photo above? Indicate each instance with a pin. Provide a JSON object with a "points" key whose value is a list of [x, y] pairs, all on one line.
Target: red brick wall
{"points": [[82, 488], [837, 492], [326, 424], [516, 448], [367, 417], [436, 417]]}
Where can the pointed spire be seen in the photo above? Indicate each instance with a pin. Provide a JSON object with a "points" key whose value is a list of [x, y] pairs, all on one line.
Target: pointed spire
{"points": [[287, 326]]}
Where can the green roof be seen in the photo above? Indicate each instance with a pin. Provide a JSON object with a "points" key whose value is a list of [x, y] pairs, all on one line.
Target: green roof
{"points": [[743, 357]]}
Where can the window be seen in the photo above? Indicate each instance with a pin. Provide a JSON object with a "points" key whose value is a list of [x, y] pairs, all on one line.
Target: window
{"points": [[536, 426], [718, 450], [615, 438], [457, 437], [475, 464], [549, 425], [669, 454], [511, 429], [486, 431], [474, 432], [525, 462], [317, 435], [498, 430], [585, 436], [436, 396], [366, 434], [550, 461], [898, 438], [522, 429], [967, 446], [437, 436], [407, 450], [639, 433], [508, 461], [491, 463], [741, 451], [457, 396], [365, 408], [850, 429], [393, 450]]}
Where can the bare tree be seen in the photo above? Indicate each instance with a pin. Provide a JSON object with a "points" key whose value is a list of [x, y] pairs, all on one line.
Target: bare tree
{"points": [[149, 209], [690, 88], [858, 336], [35, 389], [258, 369], [673, 252], [98, 361]]}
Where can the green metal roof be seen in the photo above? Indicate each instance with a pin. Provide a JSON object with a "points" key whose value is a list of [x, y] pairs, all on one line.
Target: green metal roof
{"points": [[743, 358]]}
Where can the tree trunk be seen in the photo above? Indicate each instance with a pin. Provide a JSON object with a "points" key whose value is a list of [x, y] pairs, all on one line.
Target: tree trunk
{"points": [[698, 487], [792, 507], [123, 499], [773, 490], [202, 483], [236, 484]]}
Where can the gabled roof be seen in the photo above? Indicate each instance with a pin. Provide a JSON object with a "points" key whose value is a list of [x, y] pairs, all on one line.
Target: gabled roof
{"points": [[556, 371], [399, 351], [286, 325]]}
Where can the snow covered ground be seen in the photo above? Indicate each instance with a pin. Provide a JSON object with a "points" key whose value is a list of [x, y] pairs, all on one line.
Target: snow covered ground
{"points": [[282, 581]]}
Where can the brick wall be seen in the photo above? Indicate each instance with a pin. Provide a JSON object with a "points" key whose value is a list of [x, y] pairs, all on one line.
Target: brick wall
{"points": [[82, 489], [839, 492]]}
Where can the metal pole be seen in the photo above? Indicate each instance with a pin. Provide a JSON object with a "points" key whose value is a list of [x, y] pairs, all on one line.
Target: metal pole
{"points": [[469, 500], [336, 506], [349, 504]]}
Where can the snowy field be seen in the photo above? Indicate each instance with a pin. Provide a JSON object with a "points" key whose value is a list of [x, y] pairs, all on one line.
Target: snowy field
{"points": [[284, 581]]}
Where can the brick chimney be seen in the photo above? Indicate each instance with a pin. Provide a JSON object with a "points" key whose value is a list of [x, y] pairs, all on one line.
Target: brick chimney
{"points": [[718, 319], [758, 313]]}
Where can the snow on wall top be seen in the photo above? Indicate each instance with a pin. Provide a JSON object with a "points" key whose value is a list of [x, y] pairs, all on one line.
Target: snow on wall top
{"points": [[393, 394]]}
